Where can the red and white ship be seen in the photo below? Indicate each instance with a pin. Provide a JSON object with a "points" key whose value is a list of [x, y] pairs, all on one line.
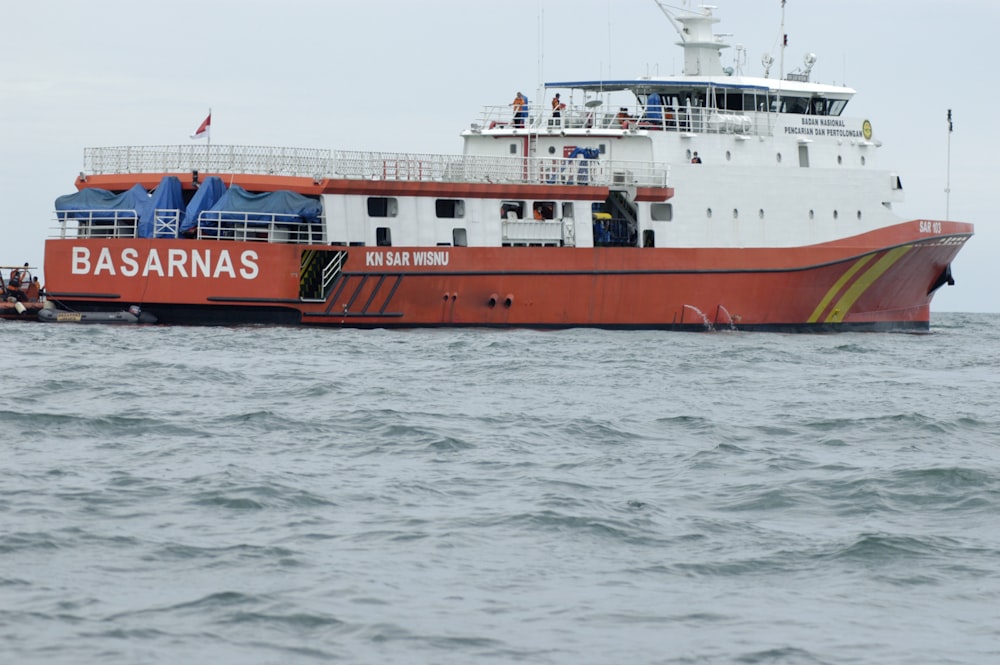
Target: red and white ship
{"points": [[591, 210]]}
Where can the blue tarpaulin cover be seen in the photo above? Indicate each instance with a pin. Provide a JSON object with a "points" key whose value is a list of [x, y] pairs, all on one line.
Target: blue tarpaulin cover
{"points": [[166, 196], [210, 191], [260, 207], [92, 198]]}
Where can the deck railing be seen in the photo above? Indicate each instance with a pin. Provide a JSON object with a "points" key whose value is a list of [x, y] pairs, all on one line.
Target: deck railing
{"points": [[212, 225], [304, 162], [694, 119], [322, 164]]}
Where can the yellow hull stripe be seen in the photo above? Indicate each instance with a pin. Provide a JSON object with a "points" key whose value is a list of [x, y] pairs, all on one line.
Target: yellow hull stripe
{"points": [[861, 285], [835, 289]]}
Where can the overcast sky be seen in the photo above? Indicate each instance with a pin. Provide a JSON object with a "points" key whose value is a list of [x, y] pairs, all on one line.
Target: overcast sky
{"points": [[388, 75]]}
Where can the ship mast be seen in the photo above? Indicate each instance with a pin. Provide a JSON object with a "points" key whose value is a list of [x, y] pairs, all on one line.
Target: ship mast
{"points": [[781, 57], [784, 44], [702, 48]]}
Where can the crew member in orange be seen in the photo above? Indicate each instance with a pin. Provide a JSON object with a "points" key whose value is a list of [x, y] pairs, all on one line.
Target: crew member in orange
{"points": [[668, 116], [557, 107], [520, 105], [34, 291], [17, 277], [623, 118]]}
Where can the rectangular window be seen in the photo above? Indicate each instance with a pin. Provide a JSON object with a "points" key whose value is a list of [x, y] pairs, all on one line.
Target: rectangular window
{"points": [[459, 238], [567, 211], [512, 210], [383, 236], [381, 206], [449, 208], [544, 210], [661, 212]]}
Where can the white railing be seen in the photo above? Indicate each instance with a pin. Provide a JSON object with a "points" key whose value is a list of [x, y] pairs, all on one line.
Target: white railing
{"points": [[259, 227], [321, 164], [304, 162], [97, 223], [664, 118], [212, 225]]}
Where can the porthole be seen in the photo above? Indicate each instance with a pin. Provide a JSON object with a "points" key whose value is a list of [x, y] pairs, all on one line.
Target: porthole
{"points": [[859, 215], [836, 214], [863, 160], [552, 150], [840, 159], [729, 156], [760, 213], [689, 155], [709, 213], [779, 157], [812, 214], [736, 213]]}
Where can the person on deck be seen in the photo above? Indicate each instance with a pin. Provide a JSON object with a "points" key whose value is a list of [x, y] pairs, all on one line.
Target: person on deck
{"points": [[35, 290], [557, 107], [696, 159], [520, 105], [17, 277]]}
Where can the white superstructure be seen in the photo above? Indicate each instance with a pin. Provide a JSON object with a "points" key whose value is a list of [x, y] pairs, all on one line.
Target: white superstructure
{"points": [[781, 163]]}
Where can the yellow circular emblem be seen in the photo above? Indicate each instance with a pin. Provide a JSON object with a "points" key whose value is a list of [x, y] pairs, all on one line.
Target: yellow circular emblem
{"points": [[866, 129]]}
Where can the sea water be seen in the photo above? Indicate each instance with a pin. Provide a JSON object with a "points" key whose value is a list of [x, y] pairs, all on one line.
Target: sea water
{"points": [[240, 495]]}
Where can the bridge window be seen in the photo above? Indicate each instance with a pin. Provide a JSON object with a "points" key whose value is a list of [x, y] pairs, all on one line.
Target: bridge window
{"points": [[381, 206], [798, 105], [449, 208]]}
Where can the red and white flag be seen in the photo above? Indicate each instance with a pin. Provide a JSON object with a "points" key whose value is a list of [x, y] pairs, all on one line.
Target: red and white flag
{"points": [[203, 128]]}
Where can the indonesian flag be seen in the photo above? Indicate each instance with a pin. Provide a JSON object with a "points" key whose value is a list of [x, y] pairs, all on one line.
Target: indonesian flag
{"points": [[203, 128]]}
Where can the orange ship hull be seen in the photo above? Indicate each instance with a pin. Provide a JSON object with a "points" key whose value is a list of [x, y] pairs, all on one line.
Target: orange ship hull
{"points": [[883, 280]]}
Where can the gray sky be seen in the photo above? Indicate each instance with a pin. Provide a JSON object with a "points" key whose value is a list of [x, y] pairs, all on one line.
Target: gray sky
{"points": [[387, 75]]}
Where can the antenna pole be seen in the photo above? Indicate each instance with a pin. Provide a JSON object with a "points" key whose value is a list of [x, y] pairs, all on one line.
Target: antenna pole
{"points": [[784, 42], [781, 58], [947, 187]]}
